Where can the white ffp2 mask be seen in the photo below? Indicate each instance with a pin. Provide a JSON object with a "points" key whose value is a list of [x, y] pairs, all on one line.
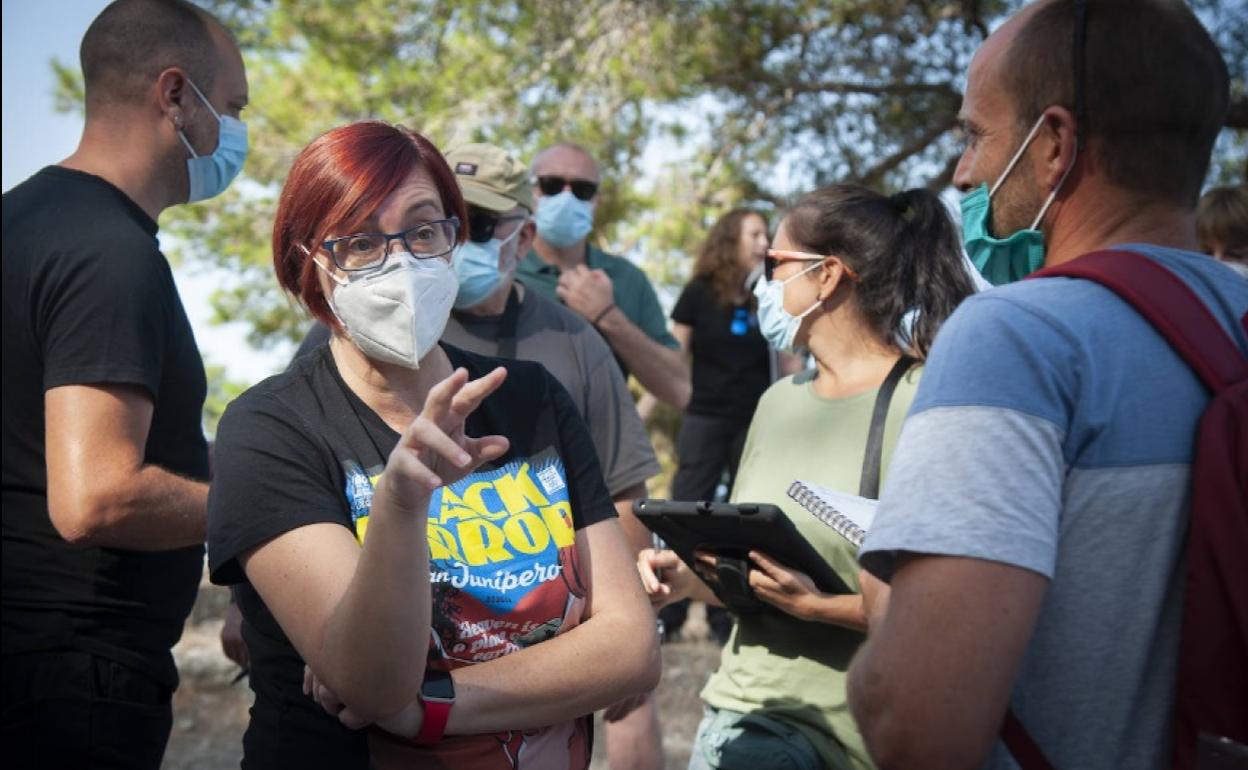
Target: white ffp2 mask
{"points": [[398, 312]]}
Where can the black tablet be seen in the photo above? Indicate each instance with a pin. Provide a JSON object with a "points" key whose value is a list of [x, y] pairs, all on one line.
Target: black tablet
{"points": [[731, 531]]}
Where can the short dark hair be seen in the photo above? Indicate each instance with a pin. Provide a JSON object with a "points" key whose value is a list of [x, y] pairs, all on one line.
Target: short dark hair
{"points": [[1156, 89], [132, 41], [1222, 220], [905, 249]]}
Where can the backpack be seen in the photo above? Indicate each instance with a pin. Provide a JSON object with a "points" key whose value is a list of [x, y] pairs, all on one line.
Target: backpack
{"points": [[1211, 694]]}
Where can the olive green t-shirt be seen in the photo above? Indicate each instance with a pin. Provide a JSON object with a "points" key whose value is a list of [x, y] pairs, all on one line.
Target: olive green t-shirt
{"points": [[790, 669]]}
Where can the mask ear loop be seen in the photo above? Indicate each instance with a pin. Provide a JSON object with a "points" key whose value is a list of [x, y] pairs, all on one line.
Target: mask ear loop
{"points": [[332, 277], [1014, 160], [208, 104], [324, 269], [817, 264], [1053, 195], [515, 234]]}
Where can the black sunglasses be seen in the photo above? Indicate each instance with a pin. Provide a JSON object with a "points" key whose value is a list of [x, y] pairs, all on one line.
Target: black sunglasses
{"points": [[482, 223], [553, 185]]}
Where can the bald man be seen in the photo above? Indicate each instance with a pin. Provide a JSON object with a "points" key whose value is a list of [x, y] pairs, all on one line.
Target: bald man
{"points": [[608, 291]]}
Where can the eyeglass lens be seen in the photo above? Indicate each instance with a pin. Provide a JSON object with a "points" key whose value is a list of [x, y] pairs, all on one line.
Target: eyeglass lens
{"points": [[481, 225], [427, 239], [553, 185]]}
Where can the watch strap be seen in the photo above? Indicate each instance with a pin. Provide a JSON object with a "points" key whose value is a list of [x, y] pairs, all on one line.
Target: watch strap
{"points": [[437, 710]]}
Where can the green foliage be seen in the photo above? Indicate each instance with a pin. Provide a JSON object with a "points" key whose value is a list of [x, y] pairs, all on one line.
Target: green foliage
{"points": [[750, 102], [221, 391]]}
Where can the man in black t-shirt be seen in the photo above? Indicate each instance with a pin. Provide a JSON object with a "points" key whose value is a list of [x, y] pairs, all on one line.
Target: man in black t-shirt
{"points": [[105, 463]]}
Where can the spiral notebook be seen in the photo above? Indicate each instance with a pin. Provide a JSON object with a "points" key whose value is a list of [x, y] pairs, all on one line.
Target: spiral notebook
{"points": [[850, 515]]}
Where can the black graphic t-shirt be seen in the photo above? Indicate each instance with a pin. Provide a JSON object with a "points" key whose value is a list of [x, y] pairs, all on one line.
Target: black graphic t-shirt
{"points": [[301, 448], [731, 368]]}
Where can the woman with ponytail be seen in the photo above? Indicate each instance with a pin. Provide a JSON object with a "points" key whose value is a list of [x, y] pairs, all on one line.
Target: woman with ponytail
{"points": [[862, 281]]}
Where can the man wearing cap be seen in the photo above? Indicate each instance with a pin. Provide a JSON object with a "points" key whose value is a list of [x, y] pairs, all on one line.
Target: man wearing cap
{"points": [[608, 291], [495, 314]]}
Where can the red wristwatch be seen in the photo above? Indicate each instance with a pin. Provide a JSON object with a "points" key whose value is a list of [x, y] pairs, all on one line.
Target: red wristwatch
{"points": [[437, 695]]}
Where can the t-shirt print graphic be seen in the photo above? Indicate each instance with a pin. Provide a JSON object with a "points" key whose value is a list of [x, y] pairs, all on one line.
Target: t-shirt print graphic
{"points": [[502, 558], [504, 575]]}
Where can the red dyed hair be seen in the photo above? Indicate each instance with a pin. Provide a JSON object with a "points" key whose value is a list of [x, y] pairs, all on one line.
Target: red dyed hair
{"points": [[335, 184]]}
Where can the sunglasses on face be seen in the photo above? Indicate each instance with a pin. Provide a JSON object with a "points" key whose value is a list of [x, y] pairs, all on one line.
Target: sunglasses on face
{"points": [[553, 185], [482, 223], [777, 257]]}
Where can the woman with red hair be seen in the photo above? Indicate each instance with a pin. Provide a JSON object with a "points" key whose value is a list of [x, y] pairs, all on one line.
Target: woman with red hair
{"points": [[420, 538]]}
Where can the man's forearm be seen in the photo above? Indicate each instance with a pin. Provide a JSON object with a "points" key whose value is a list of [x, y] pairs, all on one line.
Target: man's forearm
{"points": [[153, 510], [659, 369]]}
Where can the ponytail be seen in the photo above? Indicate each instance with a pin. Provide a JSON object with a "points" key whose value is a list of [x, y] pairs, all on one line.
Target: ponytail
{"points": [[932, 277], [904, 248]]}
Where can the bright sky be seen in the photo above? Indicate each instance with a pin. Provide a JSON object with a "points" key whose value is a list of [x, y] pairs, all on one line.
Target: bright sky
{"points": [[35, 136]]}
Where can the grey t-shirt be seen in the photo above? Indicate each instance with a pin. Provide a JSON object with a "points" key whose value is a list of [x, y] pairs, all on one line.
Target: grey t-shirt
{"points": [[1053, 431], [578, 357]]}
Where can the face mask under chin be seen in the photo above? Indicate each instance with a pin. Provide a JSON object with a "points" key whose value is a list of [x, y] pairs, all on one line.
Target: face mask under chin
{"points": [[1002, 260]]}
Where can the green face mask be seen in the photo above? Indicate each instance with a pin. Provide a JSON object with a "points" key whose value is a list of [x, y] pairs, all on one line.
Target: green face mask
{"points": [[1004, 260]]}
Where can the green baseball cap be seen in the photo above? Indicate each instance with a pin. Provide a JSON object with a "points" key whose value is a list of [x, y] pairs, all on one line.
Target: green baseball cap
{"points": [[490, 178]]}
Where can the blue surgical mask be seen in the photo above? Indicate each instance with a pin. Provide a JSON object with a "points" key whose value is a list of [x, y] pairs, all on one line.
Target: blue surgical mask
{"points": [[209, 175], [476, 266], [564, 219], [776, 324], [1009, 259]]}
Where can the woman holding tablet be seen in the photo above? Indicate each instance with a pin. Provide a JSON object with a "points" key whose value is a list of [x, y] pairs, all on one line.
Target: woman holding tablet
{"points": [[862, 281]]}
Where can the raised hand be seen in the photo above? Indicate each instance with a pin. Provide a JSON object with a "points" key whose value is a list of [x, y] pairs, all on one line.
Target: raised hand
{"points": [[588, 292], [434, 450]]}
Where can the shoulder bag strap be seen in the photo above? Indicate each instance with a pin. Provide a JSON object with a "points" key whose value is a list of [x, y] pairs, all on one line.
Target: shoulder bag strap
{"points": [[1186, 323], [1170, 305], [869, 485]]}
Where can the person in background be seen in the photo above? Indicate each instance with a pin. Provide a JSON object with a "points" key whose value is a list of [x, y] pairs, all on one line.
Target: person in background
{"points": [[610, 292], [1032, 528], [1222, 226], [105, 462], [496, 314], [616, 298], [847, 269], [716, 323], [420, 536]]}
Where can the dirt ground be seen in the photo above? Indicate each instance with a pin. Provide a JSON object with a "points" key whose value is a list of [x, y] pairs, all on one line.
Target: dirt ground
{"points": [[210, 711]]}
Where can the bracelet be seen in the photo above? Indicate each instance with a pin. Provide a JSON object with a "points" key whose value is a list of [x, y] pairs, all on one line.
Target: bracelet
{"points": [[603, 314]]}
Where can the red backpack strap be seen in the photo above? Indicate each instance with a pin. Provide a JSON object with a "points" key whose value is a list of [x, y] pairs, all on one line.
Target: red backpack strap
{"points": [[1186, 323], [1170, 305], [1022, 746]]}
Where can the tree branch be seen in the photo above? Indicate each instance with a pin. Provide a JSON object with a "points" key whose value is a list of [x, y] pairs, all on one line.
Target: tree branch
{"points": [[945, 177], [873, 176], [875, 89]]}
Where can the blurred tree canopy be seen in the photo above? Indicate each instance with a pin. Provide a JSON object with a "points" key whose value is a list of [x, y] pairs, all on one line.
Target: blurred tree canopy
{"points": [[692, 106]]}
